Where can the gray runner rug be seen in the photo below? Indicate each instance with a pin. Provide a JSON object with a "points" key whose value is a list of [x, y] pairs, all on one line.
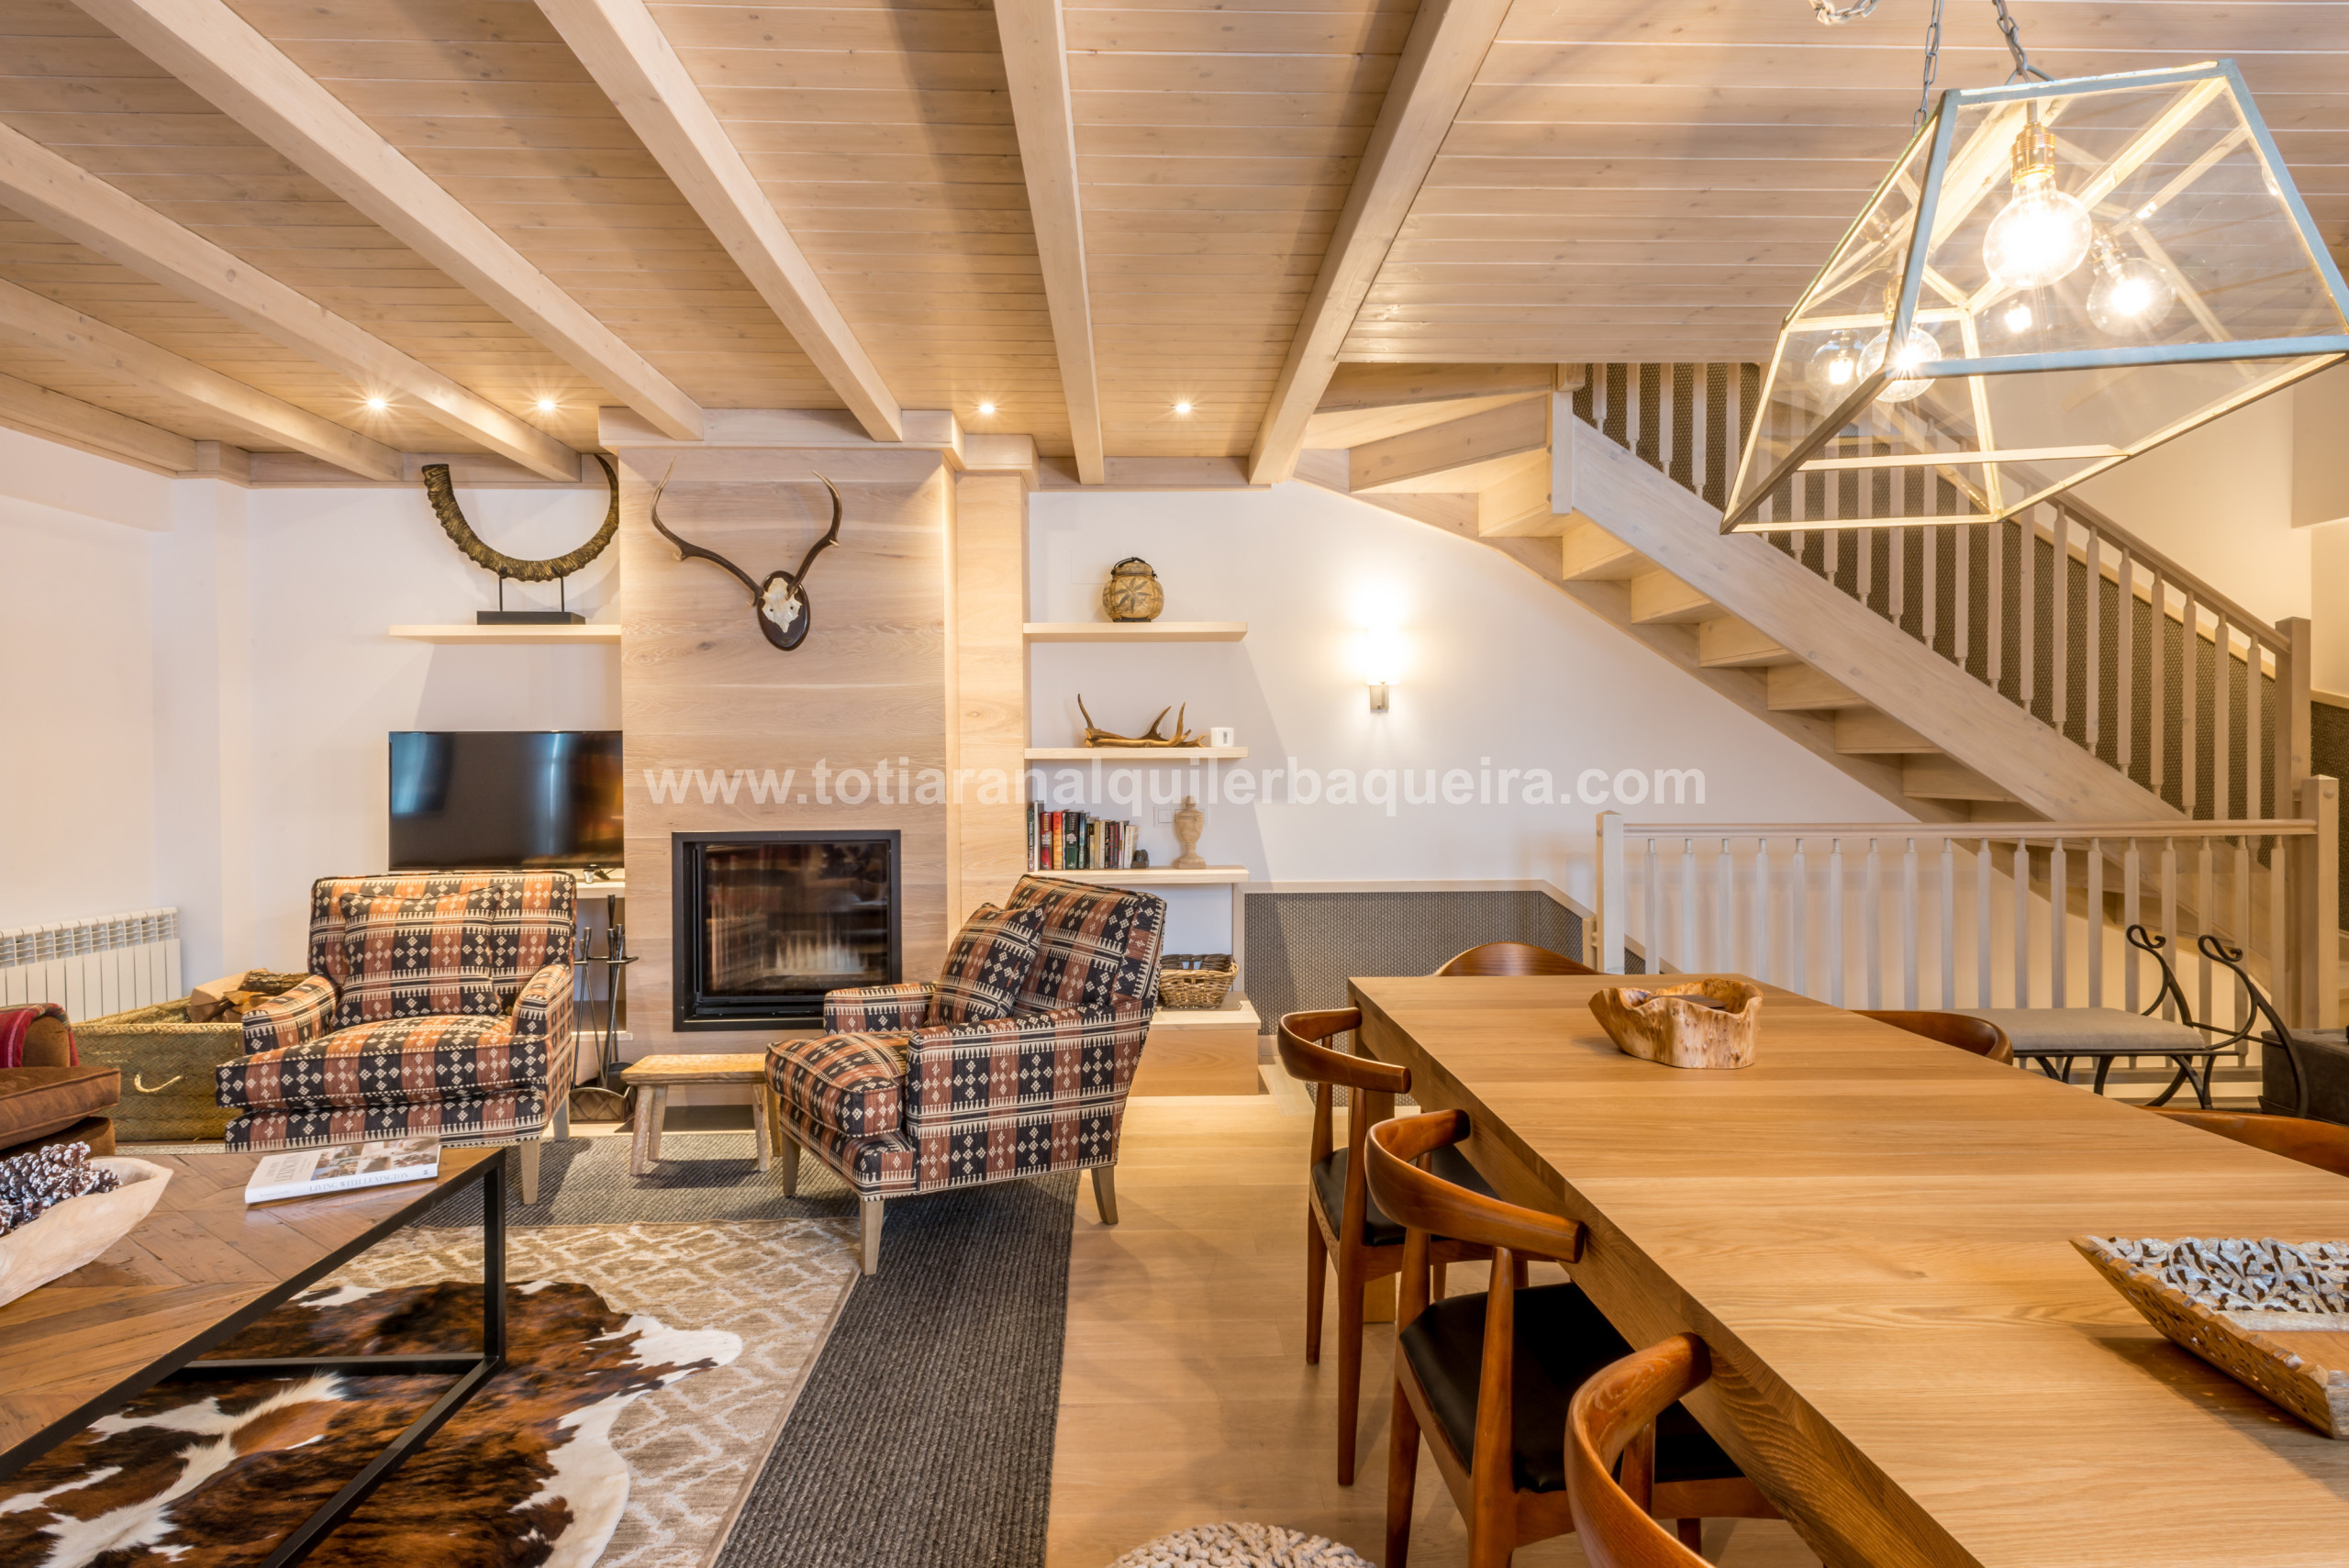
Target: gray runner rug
{"points": [[924, 1435], [700, 1177]]}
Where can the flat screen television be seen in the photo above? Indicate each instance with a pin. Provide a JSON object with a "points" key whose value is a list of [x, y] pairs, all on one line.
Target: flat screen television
{"points": [[472, 799]]}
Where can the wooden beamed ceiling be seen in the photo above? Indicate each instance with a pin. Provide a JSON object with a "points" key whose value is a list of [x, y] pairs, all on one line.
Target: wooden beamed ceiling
{"points": [[468, 207]]}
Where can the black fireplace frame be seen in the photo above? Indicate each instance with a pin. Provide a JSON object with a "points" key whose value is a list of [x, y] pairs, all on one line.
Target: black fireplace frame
{"points": [[685, 908]]}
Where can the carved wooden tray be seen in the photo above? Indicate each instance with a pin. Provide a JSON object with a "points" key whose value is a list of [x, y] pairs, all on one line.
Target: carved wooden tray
{"points": [[2272, 1314], [1699, 1023]]}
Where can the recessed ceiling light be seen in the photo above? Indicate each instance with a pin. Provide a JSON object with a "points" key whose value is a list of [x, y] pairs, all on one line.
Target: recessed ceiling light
{"points": [[986, 410], [377, 404], [546, 405], [1182, 408]]}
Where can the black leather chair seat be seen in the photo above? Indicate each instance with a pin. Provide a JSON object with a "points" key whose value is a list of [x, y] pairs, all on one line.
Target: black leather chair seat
{"points": [[1562, 1338], [1329, 1192]]}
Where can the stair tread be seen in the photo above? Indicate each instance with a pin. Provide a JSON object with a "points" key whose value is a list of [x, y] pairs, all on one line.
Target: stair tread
{"points": [[1726, 643], [1659, 598]]}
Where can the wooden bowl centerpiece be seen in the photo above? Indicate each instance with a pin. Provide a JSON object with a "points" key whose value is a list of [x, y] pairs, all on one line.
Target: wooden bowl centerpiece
{"points": [[1701, 1023], [2272, 1314], [78, 1230]]}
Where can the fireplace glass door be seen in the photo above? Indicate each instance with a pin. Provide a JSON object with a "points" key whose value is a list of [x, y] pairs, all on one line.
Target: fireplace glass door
{"points": [[775, 921]]}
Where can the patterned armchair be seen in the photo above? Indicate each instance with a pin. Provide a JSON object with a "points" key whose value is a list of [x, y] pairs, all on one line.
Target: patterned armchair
{"points": [[1015, 1063], [436, 1002]]}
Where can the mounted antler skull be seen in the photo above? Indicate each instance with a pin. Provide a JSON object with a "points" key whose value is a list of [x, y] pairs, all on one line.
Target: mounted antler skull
{"points": [[784, 611]]}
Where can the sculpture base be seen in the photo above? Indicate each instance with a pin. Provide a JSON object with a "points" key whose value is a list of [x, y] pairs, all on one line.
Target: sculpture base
{"points": [[529, 618]]}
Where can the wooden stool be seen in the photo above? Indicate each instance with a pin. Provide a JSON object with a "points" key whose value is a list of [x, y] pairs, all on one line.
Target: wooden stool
{"points": [[654, 1076]]}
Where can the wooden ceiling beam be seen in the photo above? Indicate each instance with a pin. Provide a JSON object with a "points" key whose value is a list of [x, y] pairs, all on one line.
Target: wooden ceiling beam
{"points": [[87, 424], [215, 52], [67, 333], [59, 193], [1447, 44], [1035, 61], [631, 60]]}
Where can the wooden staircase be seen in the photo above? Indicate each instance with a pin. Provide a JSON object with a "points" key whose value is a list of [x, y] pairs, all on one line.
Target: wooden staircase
{"points": [[1498, 454]]}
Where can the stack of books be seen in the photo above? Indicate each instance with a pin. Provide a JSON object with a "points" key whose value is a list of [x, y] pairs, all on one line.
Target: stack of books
{"points": [[1078, 840]]}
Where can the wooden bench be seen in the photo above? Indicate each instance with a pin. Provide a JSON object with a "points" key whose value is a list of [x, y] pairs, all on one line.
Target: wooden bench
{"points": [[654, 1076]]}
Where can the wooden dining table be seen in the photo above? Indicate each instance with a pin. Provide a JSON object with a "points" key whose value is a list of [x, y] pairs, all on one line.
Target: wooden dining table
{"points": [[1872, 1233]]}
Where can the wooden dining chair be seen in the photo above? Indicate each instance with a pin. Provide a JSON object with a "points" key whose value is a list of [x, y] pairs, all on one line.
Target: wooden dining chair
{"points": [[1617, 1413], [1980, 1035], [1487, 1378], [2323, 1144], [1512, 957], [1340, 1220]]}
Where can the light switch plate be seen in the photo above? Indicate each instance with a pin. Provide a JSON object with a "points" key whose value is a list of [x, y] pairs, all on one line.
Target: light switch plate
{"points": [[1165, 815]]}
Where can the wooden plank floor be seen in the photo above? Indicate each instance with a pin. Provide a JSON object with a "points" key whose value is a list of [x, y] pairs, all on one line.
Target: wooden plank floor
{"points": [[1185, 1394]]}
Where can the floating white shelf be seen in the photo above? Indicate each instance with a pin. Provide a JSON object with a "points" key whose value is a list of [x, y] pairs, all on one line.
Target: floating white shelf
{"points": [[606, 632], [1137, 753], [1156, 876], [1237, 1012], [1135, 631]]}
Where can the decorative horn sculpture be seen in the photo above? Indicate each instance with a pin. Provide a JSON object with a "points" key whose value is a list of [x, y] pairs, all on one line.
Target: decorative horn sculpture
{"points": [[554, 569], [783, 609], [1148, 739]]}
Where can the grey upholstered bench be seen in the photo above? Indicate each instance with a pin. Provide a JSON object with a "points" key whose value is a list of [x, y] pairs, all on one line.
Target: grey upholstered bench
{"points": [[2102, 1035]]}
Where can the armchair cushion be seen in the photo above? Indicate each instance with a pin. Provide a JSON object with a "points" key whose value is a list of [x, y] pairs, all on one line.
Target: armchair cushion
{"points": [[482, 1118], [451, 942], [852, 1083], [871, 1009], [392, 1062], [987, 965], [291, 1018], [1100, 945], [1070, 1057]]}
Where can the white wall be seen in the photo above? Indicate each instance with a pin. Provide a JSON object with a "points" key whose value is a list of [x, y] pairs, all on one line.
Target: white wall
{"points": [[2219, 502], [332, 570], [77, 787], [198, 682], [1501, 666]]}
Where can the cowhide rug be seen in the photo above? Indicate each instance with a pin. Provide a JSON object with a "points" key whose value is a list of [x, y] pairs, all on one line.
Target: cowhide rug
{"points": [[213, 1475]]}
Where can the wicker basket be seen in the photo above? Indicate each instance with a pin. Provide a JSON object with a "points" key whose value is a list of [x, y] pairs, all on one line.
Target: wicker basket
{"points": [[1194, 980], [167, 1077]]}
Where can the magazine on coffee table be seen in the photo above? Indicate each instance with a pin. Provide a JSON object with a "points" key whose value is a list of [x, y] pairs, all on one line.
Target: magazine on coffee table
{"points": [[340, 1167]]}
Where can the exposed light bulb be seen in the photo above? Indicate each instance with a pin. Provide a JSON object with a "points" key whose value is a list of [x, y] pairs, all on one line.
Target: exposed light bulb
{"points": [[2017, 318], [377, 404], [986, 410], [1835, 367], [2045, 233], [1182, 407], [1919, 348], [546, 405], [2130, 296]]}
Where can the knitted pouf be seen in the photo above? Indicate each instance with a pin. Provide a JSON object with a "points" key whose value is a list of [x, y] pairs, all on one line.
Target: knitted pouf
{"points": [[1233, 1545]]}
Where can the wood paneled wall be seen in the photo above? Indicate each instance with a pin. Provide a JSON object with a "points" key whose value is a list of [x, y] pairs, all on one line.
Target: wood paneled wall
{"points": [[990, 733], [701, 688]]}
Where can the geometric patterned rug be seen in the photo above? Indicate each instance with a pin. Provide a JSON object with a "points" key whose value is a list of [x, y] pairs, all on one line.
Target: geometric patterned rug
{"points": [[692, 1454]]}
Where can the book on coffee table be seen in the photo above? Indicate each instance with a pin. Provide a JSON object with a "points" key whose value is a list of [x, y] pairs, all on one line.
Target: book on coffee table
{"points": [[340, 1167]]}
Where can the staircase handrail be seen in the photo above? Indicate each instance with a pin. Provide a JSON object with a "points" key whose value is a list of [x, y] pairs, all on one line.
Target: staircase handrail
{"points": [[2169, 827], [2167, 567]]}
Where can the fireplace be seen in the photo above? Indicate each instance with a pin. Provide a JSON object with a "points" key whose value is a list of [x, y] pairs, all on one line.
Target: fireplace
{"points": [[766, 923]]}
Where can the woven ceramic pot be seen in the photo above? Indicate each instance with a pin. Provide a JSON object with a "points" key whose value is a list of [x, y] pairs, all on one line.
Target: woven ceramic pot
{"points": [[1133, 592]]}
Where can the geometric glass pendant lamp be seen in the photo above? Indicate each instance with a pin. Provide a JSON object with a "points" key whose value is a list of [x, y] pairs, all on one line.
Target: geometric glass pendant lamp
{"points": [[2055, 277]]}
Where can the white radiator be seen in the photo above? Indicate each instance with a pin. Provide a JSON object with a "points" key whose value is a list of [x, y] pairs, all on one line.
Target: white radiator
{"points": [[106, 964]]}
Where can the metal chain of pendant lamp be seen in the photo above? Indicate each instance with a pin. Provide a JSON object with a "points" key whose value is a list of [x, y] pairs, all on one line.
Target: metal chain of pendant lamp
{"points": [[2056, 276]]}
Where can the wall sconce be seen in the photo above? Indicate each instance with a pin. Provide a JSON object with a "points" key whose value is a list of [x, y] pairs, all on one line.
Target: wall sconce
{"points": [[1382, 663]]}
